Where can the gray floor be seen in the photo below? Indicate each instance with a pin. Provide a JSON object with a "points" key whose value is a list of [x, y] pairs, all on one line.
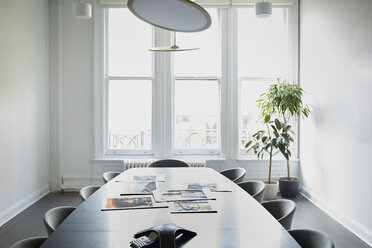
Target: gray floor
{"points": [[29, 223]]}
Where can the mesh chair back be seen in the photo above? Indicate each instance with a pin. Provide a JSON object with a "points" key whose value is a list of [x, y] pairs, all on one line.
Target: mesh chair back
{"points": [[55, 216], [34, 242], [236, 174], [307, 238], [88, 191], [107, 176], [254, 188], [169, 163], [283, 210]]}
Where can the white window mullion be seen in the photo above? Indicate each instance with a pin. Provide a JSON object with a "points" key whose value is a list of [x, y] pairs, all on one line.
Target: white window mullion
{"points": [[162, 96], [232, 115], [224, 103], [158, 96], [168, 96]]}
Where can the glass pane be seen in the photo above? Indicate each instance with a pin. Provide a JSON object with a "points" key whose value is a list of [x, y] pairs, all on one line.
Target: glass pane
{"points": [[129, 39], [250, 123], [129, 114], [196, 114], [206, 60], [263, 44]]}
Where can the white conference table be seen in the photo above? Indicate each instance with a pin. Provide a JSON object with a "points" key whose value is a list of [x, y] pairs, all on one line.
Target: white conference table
{"points": [[240, 222]]}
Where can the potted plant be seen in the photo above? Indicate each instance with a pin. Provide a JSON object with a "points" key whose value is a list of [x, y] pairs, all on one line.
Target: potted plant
{"points": [[266, 141], [285, 101]]}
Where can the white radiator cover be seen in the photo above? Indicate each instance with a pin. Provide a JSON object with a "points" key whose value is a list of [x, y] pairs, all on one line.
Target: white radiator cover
{"points": [[141, 163]]}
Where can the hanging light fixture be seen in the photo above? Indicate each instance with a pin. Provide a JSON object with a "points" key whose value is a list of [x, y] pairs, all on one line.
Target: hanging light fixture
{"points": [[172, 15], [172, 48], [263, 9], [82, 10]]}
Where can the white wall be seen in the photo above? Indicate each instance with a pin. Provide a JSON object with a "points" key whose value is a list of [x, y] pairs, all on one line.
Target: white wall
{"points": [[336, 142], [24, 118], [72, 103]]}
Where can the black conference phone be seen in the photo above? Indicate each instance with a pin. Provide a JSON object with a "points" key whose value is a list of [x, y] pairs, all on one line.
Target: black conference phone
{"points": [[145, 241], [167, 235]]}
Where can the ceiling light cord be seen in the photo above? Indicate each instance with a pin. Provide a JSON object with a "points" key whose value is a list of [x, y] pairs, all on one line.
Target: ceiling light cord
{"points": [[174, 46]]}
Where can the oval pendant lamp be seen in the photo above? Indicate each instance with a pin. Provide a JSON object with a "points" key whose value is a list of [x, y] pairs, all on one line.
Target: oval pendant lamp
{"points": [[172, 15], [263, 9], [172, 48]]}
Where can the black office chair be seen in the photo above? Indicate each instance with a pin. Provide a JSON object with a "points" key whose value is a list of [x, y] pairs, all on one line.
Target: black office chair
{"points": [[169, 163], [283, 210], [307, 238], [55, 216], [88, 191], [107, 176], [254, 188], [34, 242], [236, 174]]}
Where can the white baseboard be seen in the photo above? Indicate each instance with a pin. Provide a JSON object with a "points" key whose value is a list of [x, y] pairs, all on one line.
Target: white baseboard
{"points": [[27, 201], [359, 230], [76, 183]]}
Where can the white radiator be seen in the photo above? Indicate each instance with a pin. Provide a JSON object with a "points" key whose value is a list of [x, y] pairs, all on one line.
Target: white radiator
{"points": [[137, 163], [196, 163], [141, 163]]}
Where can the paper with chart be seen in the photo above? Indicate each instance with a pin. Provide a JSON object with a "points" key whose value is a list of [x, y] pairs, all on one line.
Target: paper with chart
{"points": [[144, 178], [214, 187], [184, 207], [130, 202], [182, 195], [138, 187]]}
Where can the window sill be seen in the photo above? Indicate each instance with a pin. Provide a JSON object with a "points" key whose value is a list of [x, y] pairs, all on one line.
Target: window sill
{"points": [[240, 159], [122, 158], [265, 160]]}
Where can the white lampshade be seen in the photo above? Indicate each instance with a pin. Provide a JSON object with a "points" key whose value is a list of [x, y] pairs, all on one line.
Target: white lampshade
{"points": [[82, 10], [263, 9]]}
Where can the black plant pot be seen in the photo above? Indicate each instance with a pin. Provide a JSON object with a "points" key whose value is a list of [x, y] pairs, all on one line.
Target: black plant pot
{"points": [[288, 188]]}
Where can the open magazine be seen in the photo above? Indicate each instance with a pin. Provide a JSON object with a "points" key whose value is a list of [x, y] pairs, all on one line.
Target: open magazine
{"points": [[130, 202], [138, 187], [214, 187], [182, 195], [182, 207], [144, 178]]}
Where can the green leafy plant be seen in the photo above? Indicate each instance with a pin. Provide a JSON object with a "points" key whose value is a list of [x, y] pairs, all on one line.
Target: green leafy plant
{"points": [[285, 101], [268, 141]]}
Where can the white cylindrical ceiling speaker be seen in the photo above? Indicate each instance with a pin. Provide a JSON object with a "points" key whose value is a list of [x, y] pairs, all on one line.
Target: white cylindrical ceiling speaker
{"points": [[263, 9], [82, 10]]}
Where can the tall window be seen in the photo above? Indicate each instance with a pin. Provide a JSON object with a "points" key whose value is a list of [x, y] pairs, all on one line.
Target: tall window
{"points": [[129, 79], [190, 103], [263, 56], [197, 77]]}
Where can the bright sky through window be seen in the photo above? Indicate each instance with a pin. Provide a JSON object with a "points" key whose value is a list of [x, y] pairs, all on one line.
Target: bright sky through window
{"points": [[129, 39], [262, 44], [196, 114]]}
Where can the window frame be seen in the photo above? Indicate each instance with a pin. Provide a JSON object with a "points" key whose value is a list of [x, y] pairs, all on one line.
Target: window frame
{"points": [[107, 78], [291, 14], [163, 93], [139, 151]]}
